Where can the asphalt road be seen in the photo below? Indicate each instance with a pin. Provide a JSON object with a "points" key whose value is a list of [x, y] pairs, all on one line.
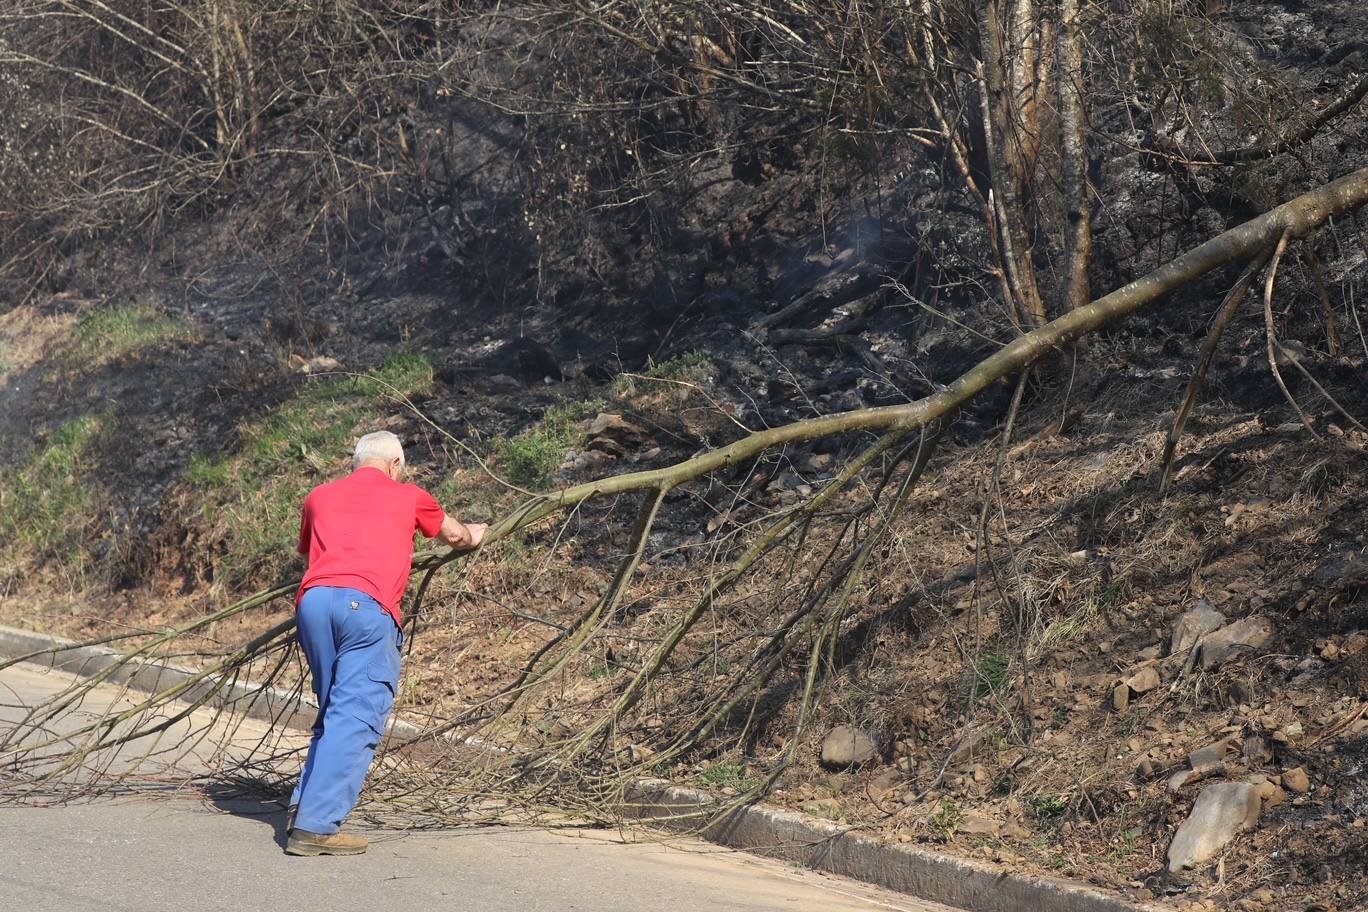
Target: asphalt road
{"points": [[173, 847]]}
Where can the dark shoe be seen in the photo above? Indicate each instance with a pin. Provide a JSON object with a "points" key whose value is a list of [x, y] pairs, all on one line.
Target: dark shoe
{"points": [[290, 816], [302, 842]]}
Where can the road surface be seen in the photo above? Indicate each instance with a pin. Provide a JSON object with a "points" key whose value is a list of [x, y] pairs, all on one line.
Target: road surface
{"points": [[181, 849]]}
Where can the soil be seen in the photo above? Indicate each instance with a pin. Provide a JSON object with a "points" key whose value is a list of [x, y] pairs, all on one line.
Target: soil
{"points": [[1028, 763]]}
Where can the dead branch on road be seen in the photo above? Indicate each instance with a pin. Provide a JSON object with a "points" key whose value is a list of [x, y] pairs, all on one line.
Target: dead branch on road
{"points": [[554, 739]]}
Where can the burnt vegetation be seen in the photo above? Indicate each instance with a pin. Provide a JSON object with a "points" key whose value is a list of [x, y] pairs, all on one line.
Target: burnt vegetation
{"points": [[904, 364]]}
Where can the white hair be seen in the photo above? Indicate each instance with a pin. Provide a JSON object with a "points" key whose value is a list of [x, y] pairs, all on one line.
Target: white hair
{"points": [[380, 446]]}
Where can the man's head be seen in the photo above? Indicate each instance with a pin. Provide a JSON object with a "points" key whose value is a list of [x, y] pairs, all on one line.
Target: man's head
{"points": [[380, 450]]}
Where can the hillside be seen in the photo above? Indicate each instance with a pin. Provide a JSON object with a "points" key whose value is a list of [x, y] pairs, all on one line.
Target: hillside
{"points": [[555, 243]]}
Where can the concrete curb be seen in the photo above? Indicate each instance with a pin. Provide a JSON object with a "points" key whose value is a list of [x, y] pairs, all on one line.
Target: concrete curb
{"points": [[266, 704], [270, 704], [819, 844], [761, 829]]}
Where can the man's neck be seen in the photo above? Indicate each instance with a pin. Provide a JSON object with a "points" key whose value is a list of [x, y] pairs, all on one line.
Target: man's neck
{"points": [[379, 467]]}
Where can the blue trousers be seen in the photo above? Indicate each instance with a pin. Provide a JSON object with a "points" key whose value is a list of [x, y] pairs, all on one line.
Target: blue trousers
{"points": [[352, 646]]}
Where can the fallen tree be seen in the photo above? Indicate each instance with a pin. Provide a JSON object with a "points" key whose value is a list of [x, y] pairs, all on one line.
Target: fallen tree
{"points": [[586, 763]]}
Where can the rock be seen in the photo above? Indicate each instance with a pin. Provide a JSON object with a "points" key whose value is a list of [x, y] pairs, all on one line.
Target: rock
{"points": [[816, 463], [823, 807], [613, 434], [1195, 775], [1144, 680], [1342, 573], [1120, 697], [1193, 625], [974, 743], [321, 364], [1221, 811], [1244, 635], [1211, 753], [1256, 750], [1013, 830], [1288, 734], [606, 424], [978, 825], [846, 746], [885, 784], [1296, 780]]}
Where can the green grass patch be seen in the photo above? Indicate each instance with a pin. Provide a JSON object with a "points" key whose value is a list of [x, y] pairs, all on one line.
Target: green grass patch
{"points": [[251, 497], [45, 501], [991, 674], [947, 819], [1049, 810], [727, 774], [123, 329], [529, 459], [680, 367], [690, 367], [205, 472]]}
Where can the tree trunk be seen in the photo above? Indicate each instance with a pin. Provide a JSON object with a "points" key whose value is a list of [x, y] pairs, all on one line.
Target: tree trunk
{"points": [[1073, 153], [1007, 92]]}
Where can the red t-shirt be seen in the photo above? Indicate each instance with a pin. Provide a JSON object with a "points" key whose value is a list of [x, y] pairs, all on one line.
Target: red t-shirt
{"points": [[358, 533]]}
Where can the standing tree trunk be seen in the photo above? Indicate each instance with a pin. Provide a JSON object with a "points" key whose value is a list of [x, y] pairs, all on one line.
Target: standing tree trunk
{"points": [[1073, 153], [1009, 81]]}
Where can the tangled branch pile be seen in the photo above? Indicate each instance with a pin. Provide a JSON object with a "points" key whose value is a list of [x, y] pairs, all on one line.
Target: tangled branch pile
{"points": [[651, 178], [793, 582]]}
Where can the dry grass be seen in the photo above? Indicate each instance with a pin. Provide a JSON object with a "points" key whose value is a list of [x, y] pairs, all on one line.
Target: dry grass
{"points": [[1091, 568]]}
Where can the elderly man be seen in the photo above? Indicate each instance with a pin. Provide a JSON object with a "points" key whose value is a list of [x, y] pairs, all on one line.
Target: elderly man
{"points": [[358, 532]]}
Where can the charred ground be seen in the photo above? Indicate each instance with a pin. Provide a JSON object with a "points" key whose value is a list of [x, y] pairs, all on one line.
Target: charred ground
{"points": [[173, 385]]}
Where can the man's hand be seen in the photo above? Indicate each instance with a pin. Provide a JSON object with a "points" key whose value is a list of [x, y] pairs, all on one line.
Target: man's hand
{"points": [[476, 533], [462, 536]]}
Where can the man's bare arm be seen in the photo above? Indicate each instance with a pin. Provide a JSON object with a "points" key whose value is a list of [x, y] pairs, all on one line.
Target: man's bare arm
{"points": [[462, 536]]}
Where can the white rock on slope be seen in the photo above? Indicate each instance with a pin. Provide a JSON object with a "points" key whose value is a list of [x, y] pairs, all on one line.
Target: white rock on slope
{"points": [[1221, 811]]}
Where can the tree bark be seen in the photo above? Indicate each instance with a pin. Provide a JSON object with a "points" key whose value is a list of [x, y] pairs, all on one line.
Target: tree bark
{"points": [[1073, 151], [1005, 102]]}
